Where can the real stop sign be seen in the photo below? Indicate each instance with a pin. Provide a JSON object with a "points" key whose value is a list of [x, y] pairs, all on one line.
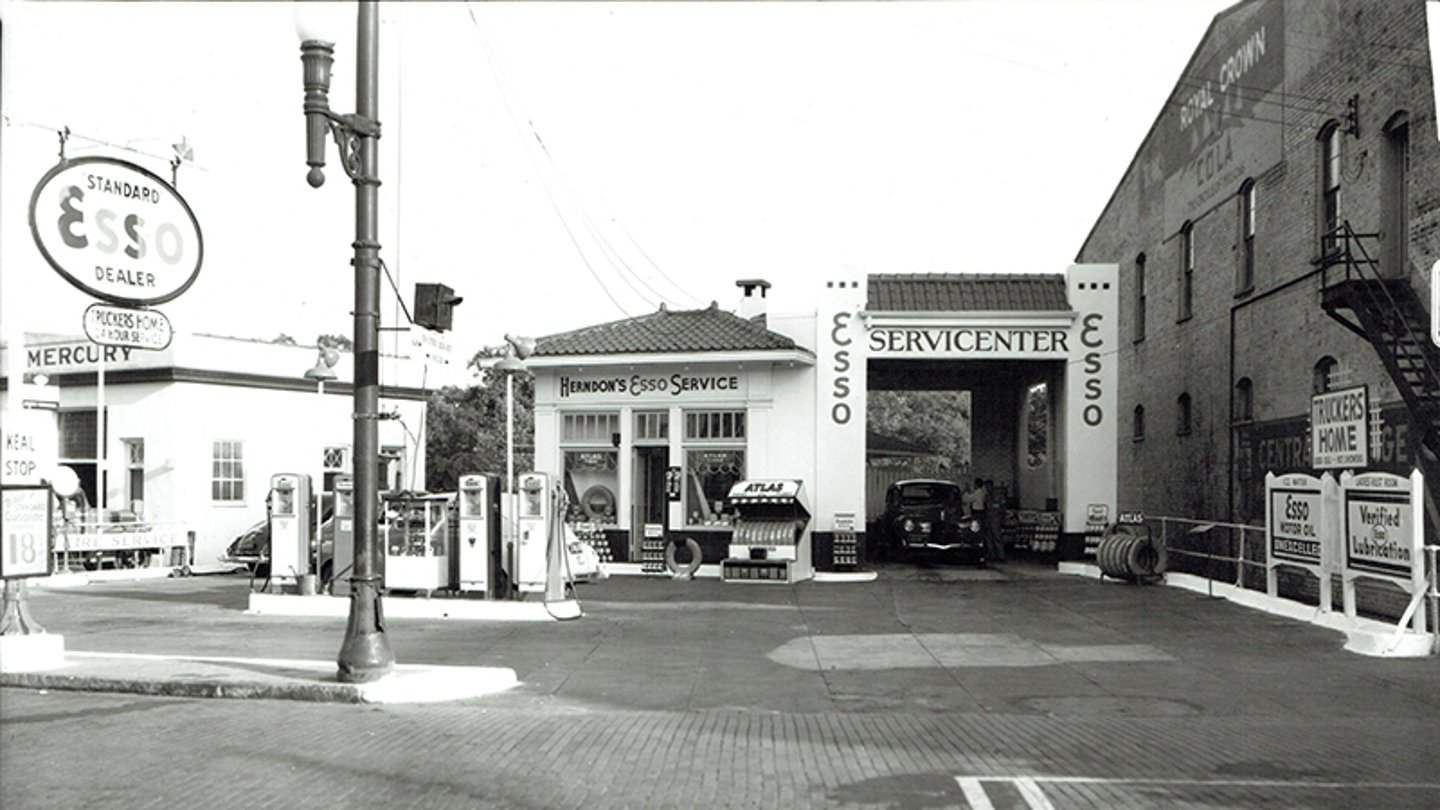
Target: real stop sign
{"points": [[28, 446]]}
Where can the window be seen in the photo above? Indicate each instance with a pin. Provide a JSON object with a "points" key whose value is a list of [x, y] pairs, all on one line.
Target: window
{"points": [[1324, 377], [1329, 187], [592, 474], [709, 476], [1244, 401], [652, 428], [714, 425], [1138, 428], [1140, 297], [594, 428], [1182, 415], [227, 471], [714, 462], [135, 475], [1187, 270], [1246, 281], [77, 434], [1037, 425], [592, 477]]}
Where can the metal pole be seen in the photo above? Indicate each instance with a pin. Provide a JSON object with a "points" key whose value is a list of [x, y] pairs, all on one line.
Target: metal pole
{"points": [[366, 654], [319, 487], [509, 432]]}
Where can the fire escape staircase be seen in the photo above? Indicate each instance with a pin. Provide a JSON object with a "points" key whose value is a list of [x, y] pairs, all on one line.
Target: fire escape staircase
{"points": [[1388, 314]]}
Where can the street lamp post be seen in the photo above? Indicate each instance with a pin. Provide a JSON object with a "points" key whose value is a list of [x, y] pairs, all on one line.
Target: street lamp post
{"points": [[322, 372], [517, 350], [365, 654]]}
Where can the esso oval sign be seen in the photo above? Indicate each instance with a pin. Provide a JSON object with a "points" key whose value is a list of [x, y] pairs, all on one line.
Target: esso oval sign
{"points": [[116, 231]]}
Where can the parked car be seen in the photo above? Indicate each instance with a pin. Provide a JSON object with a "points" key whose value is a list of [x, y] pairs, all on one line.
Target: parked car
{"points": [[928, 515], [251, 549]]}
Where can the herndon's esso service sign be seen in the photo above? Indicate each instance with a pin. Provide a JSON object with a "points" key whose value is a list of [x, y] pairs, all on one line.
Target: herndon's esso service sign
{"points": [[116, 231]]}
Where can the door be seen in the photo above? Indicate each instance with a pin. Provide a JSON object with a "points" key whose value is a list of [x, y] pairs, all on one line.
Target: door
{"points": [[650, 503], [1394, 199]]}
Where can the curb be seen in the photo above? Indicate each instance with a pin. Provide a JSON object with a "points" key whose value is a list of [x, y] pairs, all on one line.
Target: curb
{"points": [[259, 678], [1362, 636]]}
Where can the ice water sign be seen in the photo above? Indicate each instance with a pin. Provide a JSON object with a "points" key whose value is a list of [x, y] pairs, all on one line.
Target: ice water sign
{"points": [[1338, 435], [116, 231], [1295, 512]]}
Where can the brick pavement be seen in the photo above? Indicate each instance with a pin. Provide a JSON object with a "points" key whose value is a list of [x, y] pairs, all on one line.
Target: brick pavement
{"points": [[627, 708]]}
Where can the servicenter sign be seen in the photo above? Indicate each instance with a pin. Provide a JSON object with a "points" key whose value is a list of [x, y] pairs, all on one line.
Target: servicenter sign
{"points": [[116, 231]]}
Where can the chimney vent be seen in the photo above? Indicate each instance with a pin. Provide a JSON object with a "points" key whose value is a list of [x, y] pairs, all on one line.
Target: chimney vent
{"points": [[752, 302]]}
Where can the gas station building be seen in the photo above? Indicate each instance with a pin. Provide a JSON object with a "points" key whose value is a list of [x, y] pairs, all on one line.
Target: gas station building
{"points": [[191, 434], [651, 421]]}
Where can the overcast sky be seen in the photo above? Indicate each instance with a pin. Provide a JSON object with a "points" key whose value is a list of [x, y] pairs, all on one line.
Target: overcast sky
{"points": [[565, 164]]}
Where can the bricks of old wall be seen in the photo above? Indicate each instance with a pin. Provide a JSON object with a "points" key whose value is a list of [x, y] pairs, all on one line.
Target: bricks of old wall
{"points": [[1334, 50]]}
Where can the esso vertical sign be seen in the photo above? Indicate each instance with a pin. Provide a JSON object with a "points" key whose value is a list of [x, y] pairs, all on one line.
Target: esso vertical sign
{"points": [[116, 231]]}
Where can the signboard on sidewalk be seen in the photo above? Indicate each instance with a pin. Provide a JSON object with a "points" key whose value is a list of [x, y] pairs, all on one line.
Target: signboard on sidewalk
{"points": [[25, 532], [1339, 438], [29, 443], [1299, 528], [1379, 525]]}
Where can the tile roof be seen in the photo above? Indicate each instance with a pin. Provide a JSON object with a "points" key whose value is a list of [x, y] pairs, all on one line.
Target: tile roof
{"points": [[961, 292], [666, 332]]}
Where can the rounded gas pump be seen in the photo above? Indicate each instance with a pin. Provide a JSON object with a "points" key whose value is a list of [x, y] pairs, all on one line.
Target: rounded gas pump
{"points": [[289, 526], [479, 534], [343, 550]]}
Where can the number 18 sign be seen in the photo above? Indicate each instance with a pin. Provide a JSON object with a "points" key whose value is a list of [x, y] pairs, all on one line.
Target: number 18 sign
{"points": [[26, 530]]}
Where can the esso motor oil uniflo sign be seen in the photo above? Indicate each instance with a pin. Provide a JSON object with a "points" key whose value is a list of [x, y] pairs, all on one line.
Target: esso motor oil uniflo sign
{"points": [[116, 231]]}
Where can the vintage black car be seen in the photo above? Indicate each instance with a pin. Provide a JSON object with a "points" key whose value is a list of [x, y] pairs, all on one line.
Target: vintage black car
{"points": [[251, 548], [928, 516]]}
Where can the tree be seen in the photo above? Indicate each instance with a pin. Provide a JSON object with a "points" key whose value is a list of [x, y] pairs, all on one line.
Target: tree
{"points": [[284, 340], [939, 420], [466, 430], [340, 342]]}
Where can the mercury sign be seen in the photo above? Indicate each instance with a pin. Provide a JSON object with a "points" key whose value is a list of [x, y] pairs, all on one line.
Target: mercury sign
{"points": [[116, 231], [1338, 435]]}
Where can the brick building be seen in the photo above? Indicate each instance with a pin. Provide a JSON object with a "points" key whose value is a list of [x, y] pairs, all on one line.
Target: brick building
{"points": [[1274, 233]]}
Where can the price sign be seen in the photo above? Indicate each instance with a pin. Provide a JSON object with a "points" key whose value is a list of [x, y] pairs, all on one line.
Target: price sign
{"points": [[26, 531]]}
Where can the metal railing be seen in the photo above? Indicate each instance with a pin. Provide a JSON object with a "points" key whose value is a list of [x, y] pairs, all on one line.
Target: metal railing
{"points": [[1232, 553]]}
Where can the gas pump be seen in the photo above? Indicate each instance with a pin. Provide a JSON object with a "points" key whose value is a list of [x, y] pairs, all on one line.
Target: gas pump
{"points": [[527, 556], [479, 533], [343, 554], [289, 525]]}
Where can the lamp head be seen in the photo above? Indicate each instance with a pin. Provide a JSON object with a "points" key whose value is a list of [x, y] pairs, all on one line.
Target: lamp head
{"points": [[523, 346], [510, 363], [323, 370], [316, 57]]}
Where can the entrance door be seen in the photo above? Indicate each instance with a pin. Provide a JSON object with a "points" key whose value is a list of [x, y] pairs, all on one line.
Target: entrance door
{"points": [[650, 504]]}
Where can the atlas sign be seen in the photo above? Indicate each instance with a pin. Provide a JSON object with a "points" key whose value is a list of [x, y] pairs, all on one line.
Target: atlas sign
{"points": [[116, 231]]}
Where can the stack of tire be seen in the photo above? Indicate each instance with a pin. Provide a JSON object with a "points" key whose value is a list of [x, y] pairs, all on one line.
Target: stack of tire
{"points": [[1126, 554]]}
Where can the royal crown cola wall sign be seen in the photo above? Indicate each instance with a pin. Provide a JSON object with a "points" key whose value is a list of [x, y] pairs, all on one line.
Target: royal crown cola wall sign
{"points": [[116, 231]]}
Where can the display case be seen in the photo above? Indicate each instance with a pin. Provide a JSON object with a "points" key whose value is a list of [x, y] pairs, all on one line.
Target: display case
{"points": [[770, 542], [418, 549]]}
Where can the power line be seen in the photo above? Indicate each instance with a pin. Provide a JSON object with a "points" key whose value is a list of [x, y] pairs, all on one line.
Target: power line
{"points": [[496, 72]]}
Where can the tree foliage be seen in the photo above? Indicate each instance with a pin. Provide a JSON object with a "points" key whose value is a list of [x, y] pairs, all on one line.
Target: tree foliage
{"points": [[466, 430], [939, 420]]}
